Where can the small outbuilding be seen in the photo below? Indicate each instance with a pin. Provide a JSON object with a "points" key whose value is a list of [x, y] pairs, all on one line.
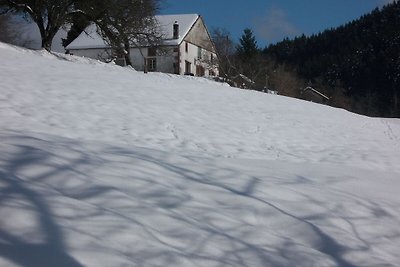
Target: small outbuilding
{"points": [[313, 95]]}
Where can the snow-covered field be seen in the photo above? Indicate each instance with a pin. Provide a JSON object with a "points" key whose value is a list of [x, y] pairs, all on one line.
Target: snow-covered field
{"points": [[105, 166]]}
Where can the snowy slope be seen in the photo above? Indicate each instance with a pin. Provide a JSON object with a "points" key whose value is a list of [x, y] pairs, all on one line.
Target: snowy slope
{"points": [[105, 166]]}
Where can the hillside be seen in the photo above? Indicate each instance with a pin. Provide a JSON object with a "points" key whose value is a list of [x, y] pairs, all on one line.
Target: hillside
{"points": [[361, 58], [105, 166]]}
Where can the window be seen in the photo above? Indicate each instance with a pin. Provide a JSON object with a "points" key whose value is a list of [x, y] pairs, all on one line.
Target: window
{"points": [[199, 52], [152, 64], [186, 47]]}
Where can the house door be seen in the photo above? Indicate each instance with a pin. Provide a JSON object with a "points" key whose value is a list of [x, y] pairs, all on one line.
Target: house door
{"points": [[200, 71], [188, 67]]}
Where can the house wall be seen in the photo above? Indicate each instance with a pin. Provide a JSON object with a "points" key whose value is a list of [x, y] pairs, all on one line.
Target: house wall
{"points": [[165, 63], [99, 54], [191, 55], [137, 58], [164, 58]]}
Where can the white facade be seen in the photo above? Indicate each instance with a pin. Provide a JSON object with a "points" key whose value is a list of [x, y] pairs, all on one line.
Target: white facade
{"points": [[185, 58], [164, 59], [191, 52], [95, 53]]}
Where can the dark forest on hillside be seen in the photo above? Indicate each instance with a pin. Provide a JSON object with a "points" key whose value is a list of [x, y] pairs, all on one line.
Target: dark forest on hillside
{"points": [[359, 62]]}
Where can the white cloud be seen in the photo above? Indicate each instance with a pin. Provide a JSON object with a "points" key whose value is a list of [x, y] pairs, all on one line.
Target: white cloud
{"points": [[275, 25]]}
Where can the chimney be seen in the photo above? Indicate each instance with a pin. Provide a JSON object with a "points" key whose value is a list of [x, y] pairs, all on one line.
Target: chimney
{"points": [[176, 30]]}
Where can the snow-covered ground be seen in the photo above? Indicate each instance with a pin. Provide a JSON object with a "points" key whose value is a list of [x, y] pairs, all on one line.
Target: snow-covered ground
{"points": [[104, 166]]}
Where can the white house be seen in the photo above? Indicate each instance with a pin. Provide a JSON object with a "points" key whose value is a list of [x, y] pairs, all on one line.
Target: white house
{"points": [[186, 47]]}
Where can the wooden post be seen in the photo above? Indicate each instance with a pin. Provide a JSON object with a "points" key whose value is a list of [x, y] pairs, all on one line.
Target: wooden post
{"points": [[146, 69]]}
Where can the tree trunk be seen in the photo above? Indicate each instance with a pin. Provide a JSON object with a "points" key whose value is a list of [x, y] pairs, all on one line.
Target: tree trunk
{"points": [[46, 43], [40, 23], [127, 54], [47, 36], [146, 69]]}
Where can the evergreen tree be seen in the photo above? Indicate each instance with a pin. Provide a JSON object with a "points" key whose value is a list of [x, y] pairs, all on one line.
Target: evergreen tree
{"points": [[250, 63], [247, 49]]}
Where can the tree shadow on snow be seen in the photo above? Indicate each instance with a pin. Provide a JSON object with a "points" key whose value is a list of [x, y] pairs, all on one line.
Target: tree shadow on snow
{"points": [[150, 197], [325, 243], [18, 249]]}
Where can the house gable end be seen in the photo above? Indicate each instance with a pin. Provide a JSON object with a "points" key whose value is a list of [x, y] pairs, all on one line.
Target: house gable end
{"points": [[198, 35]]}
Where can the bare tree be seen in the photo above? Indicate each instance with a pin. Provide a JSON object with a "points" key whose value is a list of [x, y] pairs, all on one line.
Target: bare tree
{"points": [[49, 15], [225, 50], [286, 81], [126, 23]]}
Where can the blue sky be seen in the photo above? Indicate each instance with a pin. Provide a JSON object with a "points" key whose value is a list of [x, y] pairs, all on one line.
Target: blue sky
{"points": [[272, 20]]}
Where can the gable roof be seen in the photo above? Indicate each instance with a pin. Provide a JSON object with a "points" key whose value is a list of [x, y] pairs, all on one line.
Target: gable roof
{"points": [[91, 39]]}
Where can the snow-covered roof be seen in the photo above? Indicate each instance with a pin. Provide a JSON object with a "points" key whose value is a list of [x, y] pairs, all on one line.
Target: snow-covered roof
{"points": [[91, 39], [316, 92], [166, 23]]}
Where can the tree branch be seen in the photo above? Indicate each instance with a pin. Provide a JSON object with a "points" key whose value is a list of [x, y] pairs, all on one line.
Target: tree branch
{"points": [[19, 7]]}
